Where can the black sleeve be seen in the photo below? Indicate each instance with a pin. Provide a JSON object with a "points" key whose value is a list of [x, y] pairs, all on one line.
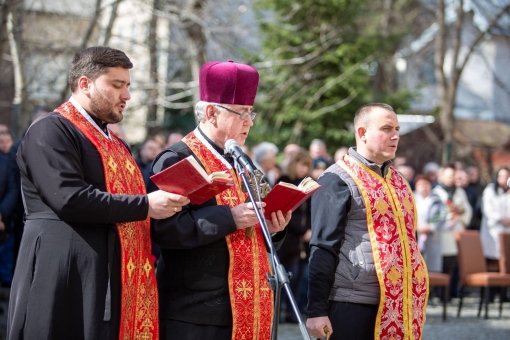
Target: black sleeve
{"points": [[195, 225], [330, 206], [52, 157], [278, 239]]}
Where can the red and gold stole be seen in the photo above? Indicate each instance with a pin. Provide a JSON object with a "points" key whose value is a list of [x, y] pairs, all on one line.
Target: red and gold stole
{"points": [[139, 300], [251, 298], [402, 274]]}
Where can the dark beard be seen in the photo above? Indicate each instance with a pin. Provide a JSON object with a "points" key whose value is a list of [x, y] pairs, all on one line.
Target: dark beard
{"points": [[102, 108]]}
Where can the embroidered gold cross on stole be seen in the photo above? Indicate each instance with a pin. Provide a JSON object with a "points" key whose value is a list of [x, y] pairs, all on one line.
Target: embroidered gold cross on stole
{"points": [[264, 190]]}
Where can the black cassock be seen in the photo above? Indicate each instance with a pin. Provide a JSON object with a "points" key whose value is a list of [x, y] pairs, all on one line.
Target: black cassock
{"points": [[70, 249], [192, 275]]}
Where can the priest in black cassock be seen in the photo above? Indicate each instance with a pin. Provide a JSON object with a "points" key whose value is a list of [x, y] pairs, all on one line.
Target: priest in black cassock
{"points": [[84, 269], [212, 274]]}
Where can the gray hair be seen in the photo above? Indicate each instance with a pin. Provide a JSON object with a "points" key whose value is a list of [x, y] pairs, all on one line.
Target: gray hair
{"points": [[263, 150], [431, 166], [200, 110], [317, 141]]}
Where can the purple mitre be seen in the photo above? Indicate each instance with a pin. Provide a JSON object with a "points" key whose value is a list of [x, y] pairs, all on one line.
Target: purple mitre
{"points": [[228, 83]]}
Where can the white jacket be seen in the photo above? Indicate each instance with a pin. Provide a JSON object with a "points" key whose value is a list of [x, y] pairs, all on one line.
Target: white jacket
{"points": [[494, 207]]}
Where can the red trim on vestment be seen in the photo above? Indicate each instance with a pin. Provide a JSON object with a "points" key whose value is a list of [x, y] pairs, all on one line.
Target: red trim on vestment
{"points": [[402, 273], [251, 297], [139, 299]]}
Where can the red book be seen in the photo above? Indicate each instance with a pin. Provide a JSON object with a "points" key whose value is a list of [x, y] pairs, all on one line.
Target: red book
{"points": [[287, 196], [188, 178]]}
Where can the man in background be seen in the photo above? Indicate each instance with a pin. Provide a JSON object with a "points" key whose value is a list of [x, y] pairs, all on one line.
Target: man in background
{"points": [[147, 153], [6, 141], [173, 138], [459, 213], [265, 159], [475, 187]]}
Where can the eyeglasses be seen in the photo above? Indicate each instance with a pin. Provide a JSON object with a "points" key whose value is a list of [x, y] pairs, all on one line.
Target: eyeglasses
{"points": [[241, 115]]}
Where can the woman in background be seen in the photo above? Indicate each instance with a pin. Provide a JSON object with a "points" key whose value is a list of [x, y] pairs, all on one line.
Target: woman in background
{"points": [[294, 252], [496, 216], [495, 220], [431, 218], [459, 213]]}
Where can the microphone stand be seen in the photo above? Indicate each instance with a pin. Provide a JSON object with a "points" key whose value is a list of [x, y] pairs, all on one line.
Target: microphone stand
{"points": [[280, 278]]}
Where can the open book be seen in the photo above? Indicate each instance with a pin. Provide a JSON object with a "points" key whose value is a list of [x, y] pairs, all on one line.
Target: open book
{"points": [[188, 178], [287, 196]]}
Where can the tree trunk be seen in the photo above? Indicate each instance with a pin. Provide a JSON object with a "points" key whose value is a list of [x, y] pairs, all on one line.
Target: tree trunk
{"points": [[197, 42], [152, 91], [449, 87], [108, 31], [447, 121], [14, 33], [445, 104], [4, 36], [385, 78], [92, 25], [88, 34]]}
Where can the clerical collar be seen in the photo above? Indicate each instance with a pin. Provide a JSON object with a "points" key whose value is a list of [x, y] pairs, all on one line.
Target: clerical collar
{"points": [[213, 144], [216, 147], [99, 122]]}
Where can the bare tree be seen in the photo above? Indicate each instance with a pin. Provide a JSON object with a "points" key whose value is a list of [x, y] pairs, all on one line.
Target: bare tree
{"points": [[169, 69], [85, 40], [153, 66], [108, 30], [449, 85], [5, 9], [14, 33], [385, 78], [191, 19]]}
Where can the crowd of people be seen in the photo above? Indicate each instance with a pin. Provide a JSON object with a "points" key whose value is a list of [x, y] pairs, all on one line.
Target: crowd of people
{"points": [[452, 198], [94, 227]]}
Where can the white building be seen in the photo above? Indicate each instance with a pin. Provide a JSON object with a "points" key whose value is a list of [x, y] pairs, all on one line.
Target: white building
{"points": [[484, 86], [54, 30]]}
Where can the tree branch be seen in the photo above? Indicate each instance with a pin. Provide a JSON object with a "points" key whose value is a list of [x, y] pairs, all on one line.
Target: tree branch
{"points": [[152, 93], [111, 21], [4, 35], [297, 60], [171, 105], [440, 45], [86, 38], [480, 37], [457, 40], [19, 76], [335, 106], [495, 76], [92, 24], [337, 80], [298, 126]]}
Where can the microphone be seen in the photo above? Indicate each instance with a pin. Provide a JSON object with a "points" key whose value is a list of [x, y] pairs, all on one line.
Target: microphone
{"points": [[233, 148], [508, 182]]}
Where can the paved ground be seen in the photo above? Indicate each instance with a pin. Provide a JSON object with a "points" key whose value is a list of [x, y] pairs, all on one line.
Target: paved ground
{"points": [[467, 327]]}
